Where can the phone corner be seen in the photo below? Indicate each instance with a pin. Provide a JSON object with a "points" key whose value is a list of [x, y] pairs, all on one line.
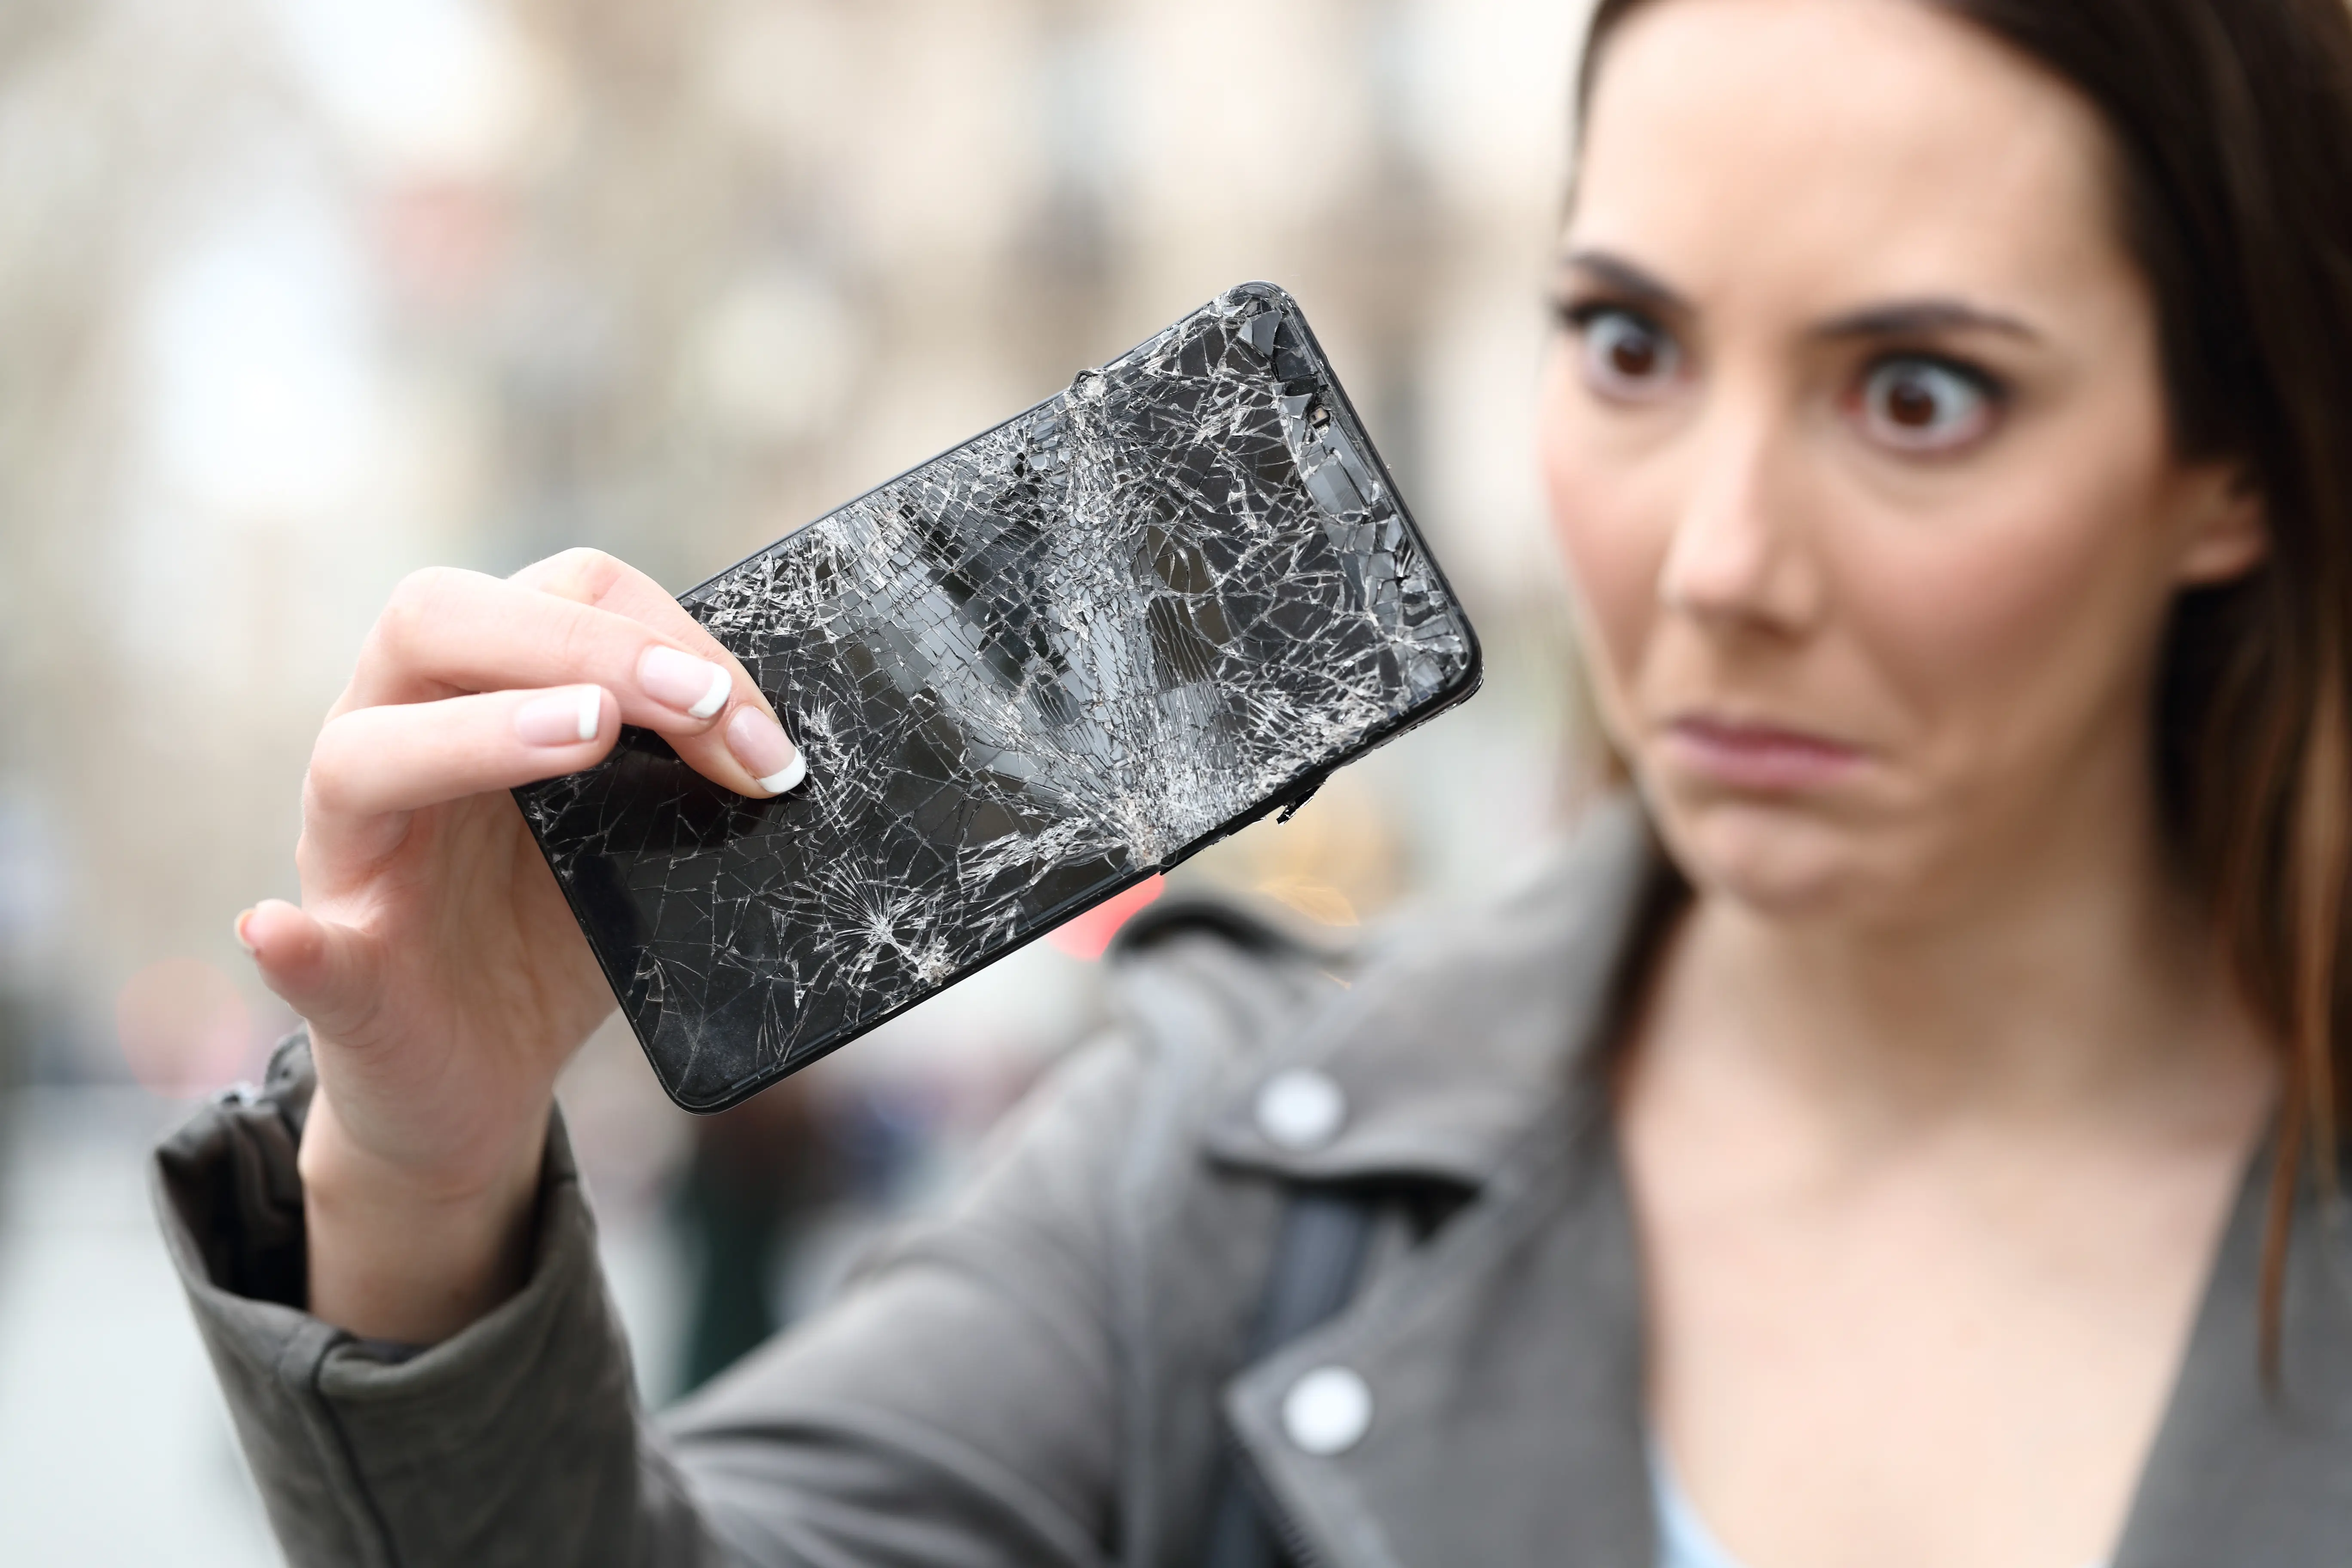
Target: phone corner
{"points": [[1256, 290]]}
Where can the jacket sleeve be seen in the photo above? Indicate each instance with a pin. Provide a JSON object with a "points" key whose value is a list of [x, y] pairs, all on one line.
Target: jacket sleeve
{"points": [[955, 1409]]}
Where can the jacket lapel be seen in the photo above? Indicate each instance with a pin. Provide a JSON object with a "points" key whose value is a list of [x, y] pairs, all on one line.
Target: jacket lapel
{"points": [[1506, 1379], [1450, 1047], [2239, 1475], [1503, 1358]]}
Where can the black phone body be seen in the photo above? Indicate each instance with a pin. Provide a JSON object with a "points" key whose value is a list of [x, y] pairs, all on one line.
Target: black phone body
{"points": [[1026, 675]]}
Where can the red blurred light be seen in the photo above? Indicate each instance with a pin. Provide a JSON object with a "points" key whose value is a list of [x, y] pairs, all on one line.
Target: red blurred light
{"points": [[1090, 934], [183, 1027]]}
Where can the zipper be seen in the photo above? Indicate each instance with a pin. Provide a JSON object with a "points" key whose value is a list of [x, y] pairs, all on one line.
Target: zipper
{"points": [[1319, 1262], [1296, 1543]]}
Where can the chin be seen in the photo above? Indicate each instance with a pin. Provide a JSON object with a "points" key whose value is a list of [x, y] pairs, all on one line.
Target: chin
{"points": [[1778, 860]]}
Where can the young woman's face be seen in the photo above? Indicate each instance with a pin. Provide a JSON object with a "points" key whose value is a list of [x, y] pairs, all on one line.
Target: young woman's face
{"points": [[1856, 436]]}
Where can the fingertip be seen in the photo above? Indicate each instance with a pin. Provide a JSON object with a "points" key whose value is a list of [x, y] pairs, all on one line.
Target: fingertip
{"points": [[608, 717], [689, 691], [787, 778], [281, 939], [323, 970], [764, 752], [568, 717], [600, 726], [593, 701]]}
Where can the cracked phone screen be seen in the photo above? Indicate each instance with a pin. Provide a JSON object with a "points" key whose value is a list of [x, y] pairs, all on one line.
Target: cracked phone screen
{"points": [[1025, 675]]}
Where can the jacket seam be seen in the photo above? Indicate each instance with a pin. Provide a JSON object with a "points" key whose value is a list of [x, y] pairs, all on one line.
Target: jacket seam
{"points": [[939, 1453], [1173, 1081], [336, 1449]]}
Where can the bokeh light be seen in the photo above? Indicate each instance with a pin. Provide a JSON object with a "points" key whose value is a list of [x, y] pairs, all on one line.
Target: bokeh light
{"points": [[183, 1027]]}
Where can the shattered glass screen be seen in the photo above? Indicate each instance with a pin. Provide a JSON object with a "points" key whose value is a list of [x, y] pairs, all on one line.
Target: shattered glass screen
{"points": [[1025, 675]]}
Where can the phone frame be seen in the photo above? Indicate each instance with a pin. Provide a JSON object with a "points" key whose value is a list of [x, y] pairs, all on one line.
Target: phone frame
{"points": [[1293, 793]]}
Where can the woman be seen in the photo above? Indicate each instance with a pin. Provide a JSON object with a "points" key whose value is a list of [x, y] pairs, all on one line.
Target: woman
{"points": [[1924, 1159]]}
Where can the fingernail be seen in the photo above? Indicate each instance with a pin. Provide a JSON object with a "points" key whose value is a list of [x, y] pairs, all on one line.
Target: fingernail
{"points": [[758, 743], [695, 687], [566, 718], [243, 941]]}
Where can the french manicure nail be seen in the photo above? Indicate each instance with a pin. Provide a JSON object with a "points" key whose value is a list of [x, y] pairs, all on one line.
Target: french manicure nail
{"points": [[567, 717], [696, 687], [757, 741]]}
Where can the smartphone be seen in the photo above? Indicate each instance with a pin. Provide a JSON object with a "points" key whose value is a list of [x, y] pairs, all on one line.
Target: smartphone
{"points": [[1028, 675]]}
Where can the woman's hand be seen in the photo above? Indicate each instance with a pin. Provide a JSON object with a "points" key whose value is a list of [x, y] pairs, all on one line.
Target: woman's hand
{"points": [[441, 974]]}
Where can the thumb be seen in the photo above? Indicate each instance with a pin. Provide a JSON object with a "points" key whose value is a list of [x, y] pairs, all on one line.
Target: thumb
{"points": [[326, 973]]}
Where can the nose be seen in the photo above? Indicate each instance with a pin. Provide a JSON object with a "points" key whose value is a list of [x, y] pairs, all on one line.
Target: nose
{"points": [[1739, 556]]}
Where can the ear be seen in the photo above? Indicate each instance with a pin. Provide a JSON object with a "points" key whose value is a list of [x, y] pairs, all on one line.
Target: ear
{"points": [[2229, 532]]}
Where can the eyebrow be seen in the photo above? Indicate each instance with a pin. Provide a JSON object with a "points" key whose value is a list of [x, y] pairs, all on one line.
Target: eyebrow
{"points": [[1899, 319], [1921, 318], [1627, 279]]}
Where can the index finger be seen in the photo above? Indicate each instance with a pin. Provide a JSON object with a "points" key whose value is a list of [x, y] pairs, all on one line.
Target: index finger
{"points": [[739, 749], [592, 577]]}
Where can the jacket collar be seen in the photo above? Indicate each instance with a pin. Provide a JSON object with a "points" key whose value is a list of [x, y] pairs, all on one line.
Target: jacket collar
{"points": [[1506, 1373], [1505, 1361], [2240, 1473], [1507, 1370], [1454, 1041]]}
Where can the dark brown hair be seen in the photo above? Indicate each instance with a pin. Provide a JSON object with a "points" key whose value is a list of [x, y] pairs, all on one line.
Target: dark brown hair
{"points": [[2231, 125]]}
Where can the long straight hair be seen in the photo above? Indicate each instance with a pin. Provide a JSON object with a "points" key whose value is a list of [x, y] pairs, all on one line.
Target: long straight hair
{"points": [[2231, 128]]}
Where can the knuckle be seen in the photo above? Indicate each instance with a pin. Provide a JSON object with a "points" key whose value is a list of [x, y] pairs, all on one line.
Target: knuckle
{"points": [[586, 646], [323, 791], [583, 573], [308, 855], [411, 607], [327, 783], [420, 588]]}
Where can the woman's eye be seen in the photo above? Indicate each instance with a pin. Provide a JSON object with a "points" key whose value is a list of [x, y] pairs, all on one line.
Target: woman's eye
{"points": [[1626, 357], [1925, 406]]}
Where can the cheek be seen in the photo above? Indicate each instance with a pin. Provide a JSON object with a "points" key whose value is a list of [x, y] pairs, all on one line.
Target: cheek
{"points": [[1609, 536], [2023, 629]]}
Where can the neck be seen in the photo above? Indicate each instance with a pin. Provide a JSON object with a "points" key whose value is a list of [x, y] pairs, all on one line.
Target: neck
{"points": [[2073, 978]]}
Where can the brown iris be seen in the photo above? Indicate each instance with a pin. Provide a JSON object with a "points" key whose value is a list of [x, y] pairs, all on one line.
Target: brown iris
{"points": [[1634, 356], [1911, 405]]}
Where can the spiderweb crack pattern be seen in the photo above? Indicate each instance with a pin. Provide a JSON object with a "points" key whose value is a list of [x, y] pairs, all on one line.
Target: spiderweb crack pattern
{"points": [[1039, 667]]}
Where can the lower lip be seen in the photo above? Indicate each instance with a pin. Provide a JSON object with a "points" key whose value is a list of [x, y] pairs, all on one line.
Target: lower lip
{"points": [[1771, 760]]}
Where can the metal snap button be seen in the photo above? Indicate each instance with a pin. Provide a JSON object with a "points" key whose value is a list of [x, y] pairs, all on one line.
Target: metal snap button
{"points": [[1328, 1411], [1300, 1109]]}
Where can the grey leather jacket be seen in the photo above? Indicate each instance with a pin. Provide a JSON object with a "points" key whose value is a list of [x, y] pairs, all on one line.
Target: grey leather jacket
{"points": [[1050, 1371]]}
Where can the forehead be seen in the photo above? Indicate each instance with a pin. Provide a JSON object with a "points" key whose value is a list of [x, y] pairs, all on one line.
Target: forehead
{"points": [[1811, 153]]}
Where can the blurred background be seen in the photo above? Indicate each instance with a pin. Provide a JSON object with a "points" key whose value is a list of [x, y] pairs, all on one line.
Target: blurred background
{"points": [[299, 295]]}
